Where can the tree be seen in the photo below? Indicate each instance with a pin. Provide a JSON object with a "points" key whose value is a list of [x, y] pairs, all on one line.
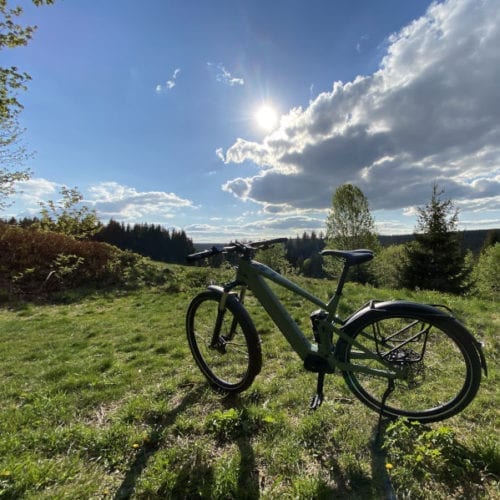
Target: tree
{"points": [[68, 216], [350, 224], [435, 260], [12, 153]]}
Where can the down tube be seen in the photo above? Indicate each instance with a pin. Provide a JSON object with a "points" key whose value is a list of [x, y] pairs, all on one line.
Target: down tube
{"points": [[280, 316]]}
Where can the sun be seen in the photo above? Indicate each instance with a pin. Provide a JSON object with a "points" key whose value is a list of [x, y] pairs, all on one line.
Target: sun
{"points": [[266, 117]]}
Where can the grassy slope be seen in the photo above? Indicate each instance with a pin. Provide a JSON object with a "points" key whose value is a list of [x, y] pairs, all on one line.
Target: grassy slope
{"points": [[101, 398]]}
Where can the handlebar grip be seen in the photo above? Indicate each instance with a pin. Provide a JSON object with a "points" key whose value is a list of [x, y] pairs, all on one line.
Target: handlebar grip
{"points": [[204, 254]]}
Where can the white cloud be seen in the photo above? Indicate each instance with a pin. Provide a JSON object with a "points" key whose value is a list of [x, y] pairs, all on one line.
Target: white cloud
{"points": [[429, 114], [245, 229], [36, 189], [169, 84], [222, 75], [112, 200]]}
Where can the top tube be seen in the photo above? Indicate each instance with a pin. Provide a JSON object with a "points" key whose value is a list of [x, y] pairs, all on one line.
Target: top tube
{"points": [[267, 272]]}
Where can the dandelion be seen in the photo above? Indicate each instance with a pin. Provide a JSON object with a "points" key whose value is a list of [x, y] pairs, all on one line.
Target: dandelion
{"points": [[135, 445], [389, 466]]}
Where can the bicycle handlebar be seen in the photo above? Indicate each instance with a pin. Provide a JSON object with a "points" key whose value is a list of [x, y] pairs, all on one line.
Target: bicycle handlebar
{"points": [[235, 247]]}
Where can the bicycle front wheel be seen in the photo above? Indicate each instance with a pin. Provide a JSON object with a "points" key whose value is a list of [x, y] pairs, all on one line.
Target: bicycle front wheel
{"points": [[442, 370], [224, 344]]}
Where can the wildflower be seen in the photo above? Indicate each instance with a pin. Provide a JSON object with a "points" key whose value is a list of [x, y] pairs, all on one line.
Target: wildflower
{"points": [[135, 445], [389, 466]]}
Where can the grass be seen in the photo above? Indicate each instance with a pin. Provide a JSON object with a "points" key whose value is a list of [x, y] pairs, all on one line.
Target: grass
{"points": [[101, 399]]}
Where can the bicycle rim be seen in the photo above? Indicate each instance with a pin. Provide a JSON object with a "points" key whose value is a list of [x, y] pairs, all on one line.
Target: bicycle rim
{"points": [[442, 367], [231, 358]]}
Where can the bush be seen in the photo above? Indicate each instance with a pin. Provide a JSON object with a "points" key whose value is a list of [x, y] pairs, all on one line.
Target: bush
{"points": [[386, 266], [39, 263], [486, 273]]}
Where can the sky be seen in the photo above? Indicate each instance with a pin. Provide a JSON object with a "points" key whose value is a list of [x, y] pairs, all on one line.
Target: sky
{"points": [[238, 119]]}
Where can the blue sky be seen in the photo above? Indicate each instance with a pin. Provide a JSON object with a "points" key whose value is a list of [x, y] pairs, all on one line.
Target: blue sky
{"points": [[149, 108]]}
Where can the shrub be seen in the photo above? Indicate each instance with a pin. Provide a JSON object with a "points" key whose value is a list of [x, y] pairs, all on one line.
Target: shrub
{"points": [[386, 266], [37, 263], [486, 273], [420, 458]]}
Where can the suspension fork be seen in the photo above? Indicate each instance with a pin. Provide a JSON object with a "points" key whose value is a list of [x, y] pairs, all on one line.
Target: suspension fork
{"points": [[221, 311]]}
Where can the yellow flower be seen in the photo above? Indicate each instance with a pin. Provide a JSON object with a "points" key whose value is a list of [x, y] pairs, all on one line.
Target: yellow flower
{"points": [[135, 445], [388, 466]]}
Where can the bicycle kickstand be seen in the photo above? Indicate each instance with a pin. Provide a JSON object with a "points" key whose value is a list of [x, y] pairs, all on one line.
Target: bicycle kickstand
{"points": [[318, 397], [390, 388]]}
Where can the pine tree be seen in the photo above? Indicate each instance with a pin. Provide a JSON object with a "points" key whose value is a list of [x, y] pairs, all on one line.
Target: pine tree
{"points": [[435, 260]]}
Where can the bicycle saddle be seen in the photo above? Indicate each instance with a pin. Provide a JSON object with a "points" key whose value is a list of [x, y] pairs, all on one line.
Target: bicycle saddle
{"points": [[351, 257]]}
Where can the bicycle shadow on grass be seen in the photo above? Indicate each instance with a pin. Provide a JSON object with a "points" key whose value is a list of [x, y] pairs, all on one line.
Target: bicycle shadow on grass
{"points": [[153, 443], [248, 485]]}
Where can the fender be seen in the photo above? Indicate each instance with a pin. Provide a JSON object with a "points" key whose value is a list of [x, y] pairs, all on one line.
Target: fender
{"points": [[375, 310]]}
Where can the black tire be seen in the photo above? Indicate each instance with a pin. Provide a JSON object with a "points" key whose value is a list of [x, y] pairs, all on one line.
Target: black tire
{"points": [[438, 386], [231, 361]]}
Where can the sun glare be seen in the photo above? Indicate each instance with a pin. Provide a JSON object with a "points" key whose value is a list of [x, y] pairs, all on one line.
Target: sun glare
{"points": [[266, 117]]}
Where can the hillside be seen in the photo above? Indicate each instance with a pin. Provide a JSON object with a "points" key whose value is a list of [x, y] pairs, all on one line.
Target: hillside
{"points": [[101, 399]]}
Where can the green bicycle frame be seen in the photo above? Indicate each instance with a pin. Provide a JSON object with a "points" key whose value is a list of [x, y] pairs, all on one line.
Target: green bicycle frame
{"points": [[253, 275]]}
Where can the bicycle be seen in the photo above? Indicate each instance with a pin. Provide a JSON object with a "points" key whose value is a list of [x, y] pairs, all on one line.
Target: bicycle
{"points": [[392, 354]]}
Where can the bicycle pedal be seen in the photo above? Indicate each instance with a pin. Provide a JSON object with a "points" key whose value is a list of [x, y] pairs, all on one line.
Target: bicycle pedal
{"points": [[316, 402]]}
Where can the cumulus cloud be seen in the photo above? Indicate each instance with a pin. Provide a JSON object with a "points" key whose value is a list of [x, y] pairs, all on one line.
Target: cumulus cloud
{"points": [[169, 84], [429, 114], [222, 75], [35, 189], [112, 200]]}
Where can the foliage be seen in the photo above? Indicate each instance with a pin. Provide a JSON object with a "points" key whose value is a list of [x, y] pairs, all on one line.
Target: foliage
{"points": [[68, 216], [151, 241], [435, 260], [12, 80], [36, 263], [492, 237], [275, 258], [386, 266], [486, 273], [349, 224], [304, 254], [12, 155]]}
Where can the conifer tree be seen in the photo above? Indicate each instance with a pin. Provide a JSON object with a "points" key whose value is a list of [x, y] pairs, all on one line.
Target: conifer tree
{"points": [[435, 260]]}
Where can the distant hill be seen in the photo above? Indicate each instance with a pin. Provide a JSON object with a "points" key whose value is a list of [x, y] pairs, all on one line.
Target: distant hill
{"points": [[473, 239]]}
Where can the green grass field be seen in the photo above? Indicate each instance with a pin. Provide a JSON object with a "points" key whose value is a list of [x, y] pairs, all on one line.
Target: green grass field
{"points": [[101, 399]]}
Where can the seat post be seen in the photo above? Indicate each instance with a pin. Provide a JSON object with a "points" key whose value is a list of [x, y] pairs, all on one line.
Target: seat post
{"points": [[334, 302]]}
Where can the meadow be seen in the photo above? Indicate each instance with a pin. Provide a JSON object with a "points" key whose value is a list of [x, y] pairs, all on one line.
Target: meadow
{"points": [[101, 399]]}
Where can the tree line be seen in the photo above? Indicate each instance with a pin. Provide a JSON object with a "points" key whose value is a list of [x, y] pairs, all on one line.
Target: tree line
{"points": [[148, 240]]}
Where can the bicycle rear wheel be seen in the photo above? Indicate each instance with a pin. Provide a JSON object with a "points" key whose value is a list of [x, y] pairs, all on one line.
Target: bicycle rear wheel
{"points": [[226, 347], [443, 369]]}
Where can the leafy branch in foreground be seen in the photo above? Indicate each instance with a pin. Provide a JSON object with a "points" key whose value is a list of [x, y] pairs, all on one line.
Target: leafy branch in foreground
{"points": [[69, 216], [12, 153]]}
